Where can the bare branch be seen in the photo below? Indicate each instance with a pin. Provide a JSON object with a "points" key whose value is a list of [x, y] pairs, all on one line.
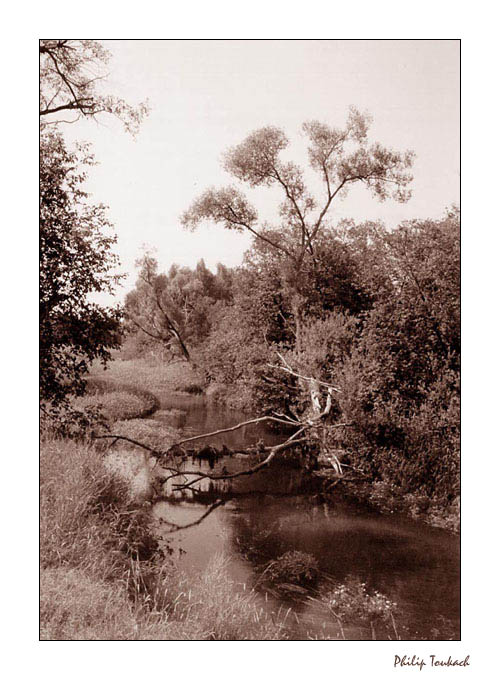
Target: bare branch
{"points": [[287, 369], [198, 475], [235, 427], [155, 452]]}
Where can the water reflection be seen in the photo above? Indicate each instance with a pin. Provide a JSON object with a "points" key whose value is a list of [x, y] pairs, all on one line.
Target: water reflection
{"points": [[258, 518]]}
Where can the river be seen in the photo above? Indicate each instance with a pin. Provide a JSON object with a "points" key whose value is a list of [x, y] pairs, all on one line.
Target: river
{"points": [[260, 517]]}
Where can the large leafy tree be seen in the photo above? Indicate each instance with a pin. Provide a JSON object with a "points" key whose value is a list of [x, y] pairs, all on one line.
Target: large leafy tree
{"points": [[400, 381], [76, 260], [412, 333], [76, 238], [341, 156]]}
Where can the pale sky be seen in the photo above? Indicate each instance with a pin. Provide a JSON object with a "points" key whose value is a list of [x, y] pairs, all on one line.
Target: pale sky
{"points": [[206, 96]]}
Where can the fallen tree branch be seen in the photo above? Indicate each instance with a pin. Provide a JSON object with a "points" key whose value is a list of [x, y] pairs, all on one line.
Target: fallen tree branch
{"points": [[198, 475], [288, 369], [117, 437], [236, 427], [310, 423]]}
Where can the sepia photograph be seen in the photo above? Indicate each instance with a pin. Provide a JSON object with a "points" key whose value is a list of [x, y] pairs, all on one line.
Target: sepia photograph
{"points": [[250, 341]]}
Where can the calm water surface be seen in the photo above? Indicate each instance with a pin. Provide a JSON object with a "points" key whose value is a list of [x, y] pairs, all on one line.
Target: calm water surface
{"points": [[277, 510]]}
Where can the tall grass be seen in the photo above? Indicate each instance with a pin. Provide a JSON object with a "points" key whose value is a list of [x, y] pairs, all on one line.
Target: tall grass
{"points": [[152, 374], [118, 401], [103, 576]]}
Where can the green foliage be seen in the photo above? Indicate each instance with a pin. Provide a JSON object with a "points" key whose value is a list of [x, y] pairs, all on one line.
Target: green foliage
{"points": [[76, 261]]}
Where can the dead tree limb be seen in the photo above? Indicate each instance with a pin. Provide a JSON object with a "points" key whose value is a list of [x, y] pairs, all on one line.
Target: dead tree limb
{"points": [[198, 475], [155, 452], [311, 423], [262, 419], [304, 377]]}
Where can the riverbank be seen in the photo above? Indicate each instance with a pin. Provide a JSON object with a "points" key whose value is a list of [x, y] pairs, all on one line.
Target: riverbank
{"points": [[104, 576], [106, 573], [115, 575], [388, 500], [181, 379]]}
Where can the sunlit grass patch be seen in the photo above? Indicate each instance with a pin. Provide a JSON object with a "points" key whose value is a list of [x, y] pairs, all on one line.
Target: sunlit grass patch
{"points": [[112, 405], [213, 607], [152, 374]]}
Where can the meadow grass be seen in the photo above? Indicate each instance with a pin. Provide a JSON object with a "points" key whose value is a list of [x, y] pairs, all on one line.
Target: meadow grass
{"points": [[152, 374], [103, 576]]}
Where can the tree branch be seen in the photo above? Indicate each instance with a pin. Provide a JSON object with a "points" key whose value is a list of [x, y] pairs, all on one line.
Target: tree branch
{"points": [[256, 233], [180, 527], [287, 369], [198, 475], [235, 427]]}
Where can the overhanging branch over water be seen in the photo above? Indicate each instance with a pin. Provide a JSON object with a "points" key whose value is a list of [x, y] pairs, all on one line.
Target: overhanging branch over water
{"points": [[304, 428]]}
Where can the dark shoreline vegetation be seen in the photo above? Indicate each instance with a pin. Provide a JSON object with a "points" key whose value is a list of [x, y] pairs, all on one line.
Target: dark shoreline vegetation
{"points": [[343, 337]]}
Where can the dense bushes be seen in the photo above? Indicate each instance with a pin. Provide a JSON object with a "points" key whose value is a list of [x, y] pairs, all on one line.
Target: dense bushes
{"points": [[400, 382]]}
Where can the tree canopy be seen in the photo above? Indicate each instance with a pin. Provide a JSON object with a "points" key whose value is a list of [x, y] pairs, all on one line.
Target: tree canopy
{"points": [[341, 156], [76, 237], [175, 309], [76, 259]]}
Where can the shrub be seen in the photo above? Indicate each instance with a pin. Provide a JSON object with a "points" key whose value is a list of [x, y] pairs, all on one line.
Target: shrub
{"points": [[293, 567], [351, 604]]}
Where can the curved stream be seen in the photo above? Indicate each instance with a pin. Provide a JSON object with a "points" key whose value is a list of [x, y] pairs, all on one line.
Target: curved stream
{"points": [[277, 510]]}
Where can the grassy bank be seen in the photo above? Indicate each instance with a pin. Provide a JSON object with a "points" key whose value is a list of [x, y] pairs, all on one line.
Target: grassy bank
{"points": [[152, 374], [116, 400], [103, 575]]}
